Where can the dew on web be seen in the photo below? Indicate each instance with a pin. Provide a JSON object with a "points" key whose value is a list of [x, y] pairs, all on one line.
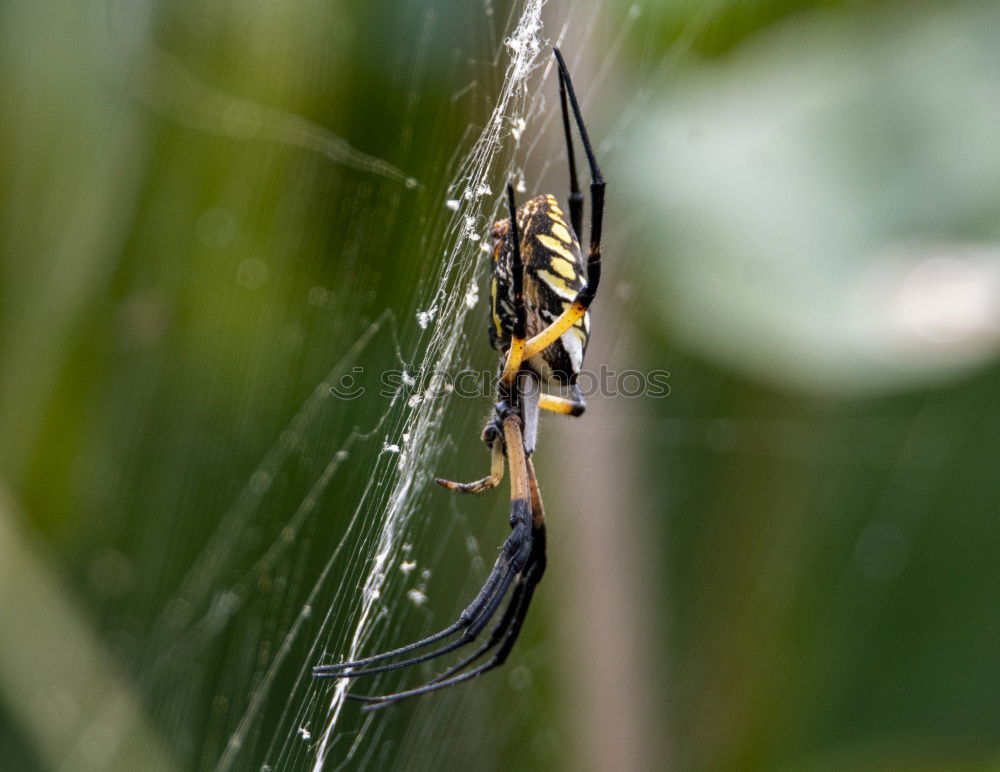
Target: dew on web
{"points": [[424, 318], [517, 129], [407, 566], [472, 295]]}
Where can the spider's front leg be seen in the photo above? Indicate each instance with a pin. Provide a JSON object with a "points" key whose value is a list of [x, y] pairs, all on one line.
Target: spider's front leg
{"points": [[581, 303]]}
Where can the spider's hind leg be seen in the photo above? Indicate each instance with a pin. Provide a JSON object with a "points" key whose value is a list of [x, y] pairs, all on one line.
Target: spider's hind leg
{"points": [[526, 549], [502, 638], [509, 567]]}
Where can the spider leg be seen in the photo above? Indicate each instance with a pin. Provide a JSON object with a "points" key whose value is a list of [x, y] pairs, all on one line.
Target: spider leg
{"points": [[334, 671], [585, 296], [498, 632], [513, 607], [494, 591], [575, 196], [475, 617], [509, 626], [537, 507], [521, 555], [509, 566], [470, 634], [574, 405], [506, 633], [515, 354], [490, 481], [536, 564]]}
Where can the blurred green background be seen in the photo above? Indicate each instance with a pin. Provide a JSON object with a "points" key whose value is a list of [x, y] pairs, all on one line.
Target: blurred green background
{"points": [[212, 212]]}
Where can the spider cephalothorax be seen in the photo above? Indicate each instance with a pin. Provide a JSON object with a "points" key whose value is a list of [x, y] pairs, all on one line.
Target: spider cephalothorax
{"points": [[540, 292]]}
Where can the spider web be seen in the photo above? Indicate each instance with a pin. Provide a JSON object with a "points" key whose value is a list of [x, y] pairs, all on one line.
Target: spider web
{"points": [[353, 606], [417, 452], [282, 581], [361, 587]]}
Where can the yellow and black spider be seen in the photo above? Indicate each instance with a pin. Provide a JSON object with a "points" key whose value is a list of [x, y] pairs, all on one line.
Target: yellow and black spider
{"points": [[539, 323]]}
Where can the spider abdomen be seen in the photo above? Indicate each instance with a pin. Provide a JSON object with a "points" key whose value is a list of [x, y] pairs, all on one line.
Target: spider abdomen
{"points": [[554, 273]]}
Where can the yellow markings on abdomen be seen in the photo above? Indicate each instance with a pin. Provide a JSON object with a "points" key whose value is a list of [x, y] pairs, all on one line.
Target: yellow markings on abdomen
{"points": [[560, 232], [493, 303], [556, 246], [563, 267], [553, 204], [557, 284]]}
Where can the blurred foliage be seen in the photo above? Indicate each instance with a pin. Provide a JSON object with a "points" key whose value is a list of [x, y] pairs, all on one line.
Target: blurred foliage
{"points": [[188, 250]]}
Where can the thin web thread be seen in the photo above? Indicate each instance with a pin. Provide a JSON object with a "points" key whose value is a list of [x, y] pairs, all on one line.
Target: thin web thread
{"points": [[163, 83]]}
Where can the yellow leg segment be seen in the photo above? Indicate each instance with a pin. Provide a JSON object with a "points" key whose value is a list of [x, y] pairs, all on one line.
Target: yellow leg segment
{"points": [[551, 334], [537, 509], [492, 480], [516, 458], [562, 405], [515, 358]]}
